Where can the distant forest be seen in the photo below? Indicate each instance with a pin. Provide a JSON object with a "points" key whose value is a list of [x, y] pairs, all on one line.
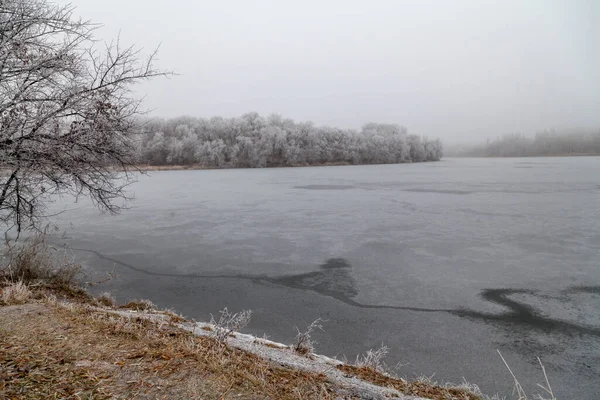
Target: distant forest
{"points": [[548, 143], [251, 141]]}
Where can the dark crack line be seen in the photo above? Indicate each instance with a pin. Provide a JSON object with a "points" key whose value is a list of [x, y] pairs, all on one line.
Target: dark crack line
{"points": [[523, 314], [261, 279], [519, 314]]}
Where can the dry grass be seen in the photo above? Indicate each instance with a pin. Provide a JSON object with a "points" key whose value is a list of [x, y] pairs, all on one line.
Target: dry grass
{"points": [[417, 388], [44, 269], [139, 305], [69, 349], [520, 392], [74, 351], [15, 293], [36, 262], [106, 299], [373, 359]]}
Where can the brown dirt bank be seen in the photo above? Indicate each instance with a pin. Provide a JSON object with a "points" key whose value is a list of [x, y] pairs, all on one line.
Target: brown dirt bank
{"points": [[75, 348]]}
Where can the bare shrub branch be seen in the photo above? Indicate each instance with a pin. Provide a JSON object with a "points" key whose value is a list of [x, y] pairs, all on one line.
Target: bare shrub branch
{"points": [[229, 323], [304, 342]]}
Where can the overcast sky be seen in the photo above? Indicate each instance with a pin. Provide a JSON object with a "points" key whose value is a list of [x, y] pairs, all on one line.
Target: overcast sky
{"points": [[459, 70]]}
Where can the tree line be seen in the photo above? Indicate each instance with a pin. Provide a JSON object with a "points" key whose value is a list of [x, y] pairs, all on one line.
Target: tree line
{"points": [[252, 141], [547, 143], [70, 122]]}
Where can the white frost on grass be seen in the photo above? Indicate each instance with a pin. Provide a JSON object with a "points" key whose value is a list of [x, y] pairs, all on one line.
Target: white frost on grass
{"points": [[283, 355]]}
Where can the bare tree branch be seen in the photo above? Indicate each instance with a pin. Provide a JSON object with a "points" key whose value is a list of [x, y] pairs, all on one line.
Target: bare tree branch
{"points": [[67, 112]]}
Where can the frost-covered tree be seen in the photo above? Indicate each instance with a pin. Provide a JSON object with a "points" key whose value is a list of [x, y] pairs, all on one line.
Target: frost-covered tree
{"points": [[212, 153], [67, 114], [254, 141], [416, 150]]}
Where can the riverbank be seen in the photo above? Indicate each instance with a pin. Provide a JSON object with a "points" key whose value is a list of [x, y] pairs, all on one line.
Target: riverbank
{"points": [[559, 155], [193, 167], [65, 344]]}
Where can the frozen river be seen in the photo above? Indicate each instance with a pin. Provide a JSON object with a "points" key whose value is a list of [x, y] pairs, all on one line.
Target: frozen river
{"points": [[442, 262]]}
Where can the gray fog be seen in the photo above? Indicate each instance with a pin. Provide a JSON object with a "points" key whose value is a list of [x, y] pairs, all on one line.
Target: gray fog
{"points": [[458, 70]]}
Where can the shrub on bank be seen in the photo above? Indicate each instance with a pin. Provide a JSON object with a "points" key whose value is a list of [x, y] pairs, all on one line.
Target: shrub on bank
{"points": [[34, 261]]}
